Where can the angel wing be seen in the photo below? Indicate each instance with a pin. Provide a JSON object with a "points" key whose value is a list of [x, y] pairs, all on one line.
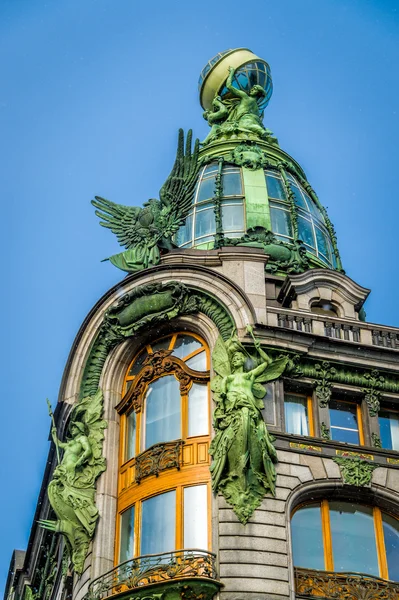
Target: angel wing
{"points": [[120, 219], [272, 372], [220, 358], [177, 193]]}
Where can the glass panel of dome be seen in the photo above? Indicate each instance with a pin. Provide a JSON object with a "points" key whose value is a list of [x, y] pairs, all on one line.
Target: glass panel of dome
{"points": [[206, 189], [127, 535], [313, 209], [185, 345], [213, 168], [158, 524], [198, 410], [298, 198], [322, 244], [233, 217], [391, 538], [131, 435], [275, 187], [305, 232], [281, 220], [162, 411], [232, 184], [205, 222], [185, 232], [307, 540], [353, 538], [197, 362]]}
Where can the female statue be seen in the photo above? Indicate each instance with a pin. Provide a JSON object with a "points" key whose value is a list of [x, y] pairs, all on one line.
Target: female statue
{"points": [[242, 450]]}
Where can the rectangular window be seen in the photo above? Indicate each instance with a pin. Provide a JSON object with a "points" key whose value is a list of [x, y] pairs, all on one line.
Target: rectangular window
{"points": [[158, 524], [196, 516], [389, 429], [131, 436], [127, 535], [344, 422], [297, 413]]}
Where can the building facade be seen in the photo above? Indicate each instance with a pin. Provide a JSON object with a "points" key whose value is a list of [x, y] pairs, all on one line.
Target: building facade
{"points": [[228, 422]]}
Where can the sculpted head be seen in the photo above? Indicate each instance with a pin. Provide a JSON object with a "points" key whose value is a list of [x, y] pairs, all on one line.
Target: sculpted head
{"points": [[77, 429], [238, 360], [257, 90]]}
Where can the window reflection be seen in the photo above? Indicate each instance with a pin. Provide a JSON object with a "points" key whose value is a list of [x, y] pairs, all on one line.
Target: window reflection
{"points": [[162, 411], [389, 429], [198, 410], [158, 525], [343, 422], [127, 535], [196, 516]]}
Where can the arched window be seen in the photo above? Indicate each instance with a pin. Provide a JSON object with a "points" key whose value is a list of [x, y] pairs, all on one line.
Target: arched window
{"points": [[345, 537], [164, 490]]}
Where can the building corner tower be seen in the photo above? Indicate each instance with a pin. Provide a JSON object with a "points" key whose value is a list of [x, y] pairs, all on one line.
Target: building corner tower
{"points": [[228, 423]]}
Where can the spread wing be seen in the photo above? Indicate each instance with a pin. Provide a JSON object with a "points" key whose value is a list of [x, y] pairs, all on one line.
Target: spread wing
{"points": [[120, 219], [220, 358], [273, 371], [177, 193]]}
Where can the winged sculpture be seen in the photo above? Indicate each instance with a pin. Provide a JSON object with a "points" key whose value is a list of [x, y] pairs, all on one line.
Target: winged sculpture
{"points": [[72, 489], [242, 450], [146, 232]]}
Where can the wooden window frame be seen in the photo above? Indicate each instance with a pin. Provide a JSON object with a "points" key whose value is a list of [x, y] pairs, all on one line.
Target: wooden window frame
{"points": [[325, 524], [191, 473]]}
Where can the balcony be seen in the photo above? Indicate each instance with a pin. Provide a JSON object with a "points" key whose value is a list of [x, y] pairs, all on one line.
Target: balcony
{"points": [[188, 574], [326, 585]]}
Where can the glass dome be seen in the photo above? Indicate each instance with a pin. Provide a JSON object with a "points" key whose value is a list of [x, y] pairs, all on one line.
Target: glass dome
{"points": [[250, 74], [209, 66], [282, 206]]}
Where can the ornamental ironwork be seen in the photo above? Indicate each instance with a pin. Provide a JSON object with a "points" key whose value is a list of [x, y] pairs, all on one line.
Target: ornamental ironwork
{"points": [[310, 583], [158, 458], [152, 569]]}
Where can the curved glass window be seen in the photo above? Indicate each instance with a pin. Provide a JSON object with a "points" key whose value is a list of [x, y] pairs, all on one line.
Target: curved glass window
{"points": [[200, 225], [346, 537], [311, 224]]}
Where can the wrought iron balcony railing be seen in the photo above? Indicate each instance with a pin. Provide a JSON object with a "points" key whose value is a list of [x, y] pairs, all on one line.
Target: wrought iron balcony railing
{"points": [[327, 585], [153, 569]]}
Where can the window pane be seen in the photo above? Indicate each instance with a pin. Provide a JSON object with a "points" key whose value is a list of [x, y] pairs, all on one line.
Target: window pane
{"points": [[131, 436], [233, 217], [198, 410], [269, 412], [296, 415], [313, 209], [391, 537], [353, 538], [343, 421], [185, 232], [232, 184], [158, 524], [275, 188], [197, 362], [138, 363], [281, 221], [196, 517], [307, 541], [184, 345], [305, 232], [205, 222], [127, 535], [389, 429], [206, 190], [322, 243], [162, 411], [162, 344]]}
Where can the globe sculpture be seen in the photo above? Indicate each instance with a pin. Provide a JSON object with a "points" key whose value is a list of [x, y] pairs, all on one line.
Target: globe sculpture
{"points": [[250, 70]]}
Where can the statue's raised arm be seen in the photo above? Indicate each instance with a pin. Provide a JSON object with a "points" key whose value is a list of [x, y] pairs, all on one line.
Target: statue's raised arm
{"points": [[230, 86]]}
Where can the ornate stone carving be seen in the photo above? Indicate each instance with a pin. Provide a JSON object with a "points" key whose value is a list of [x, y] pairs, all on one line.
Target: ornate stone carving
{"points": [[325, 431], [242, 450], [323, 385], [355, 470], [148, 231], [159, 457], [372, 394], [376, 440], [144, 307], [250, 156], [72, 489]]}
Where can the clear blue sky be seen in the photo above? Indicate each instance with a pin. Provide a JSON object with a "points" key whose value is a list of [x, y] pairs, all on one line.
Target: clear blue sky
{"points": [[92, 94]]}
